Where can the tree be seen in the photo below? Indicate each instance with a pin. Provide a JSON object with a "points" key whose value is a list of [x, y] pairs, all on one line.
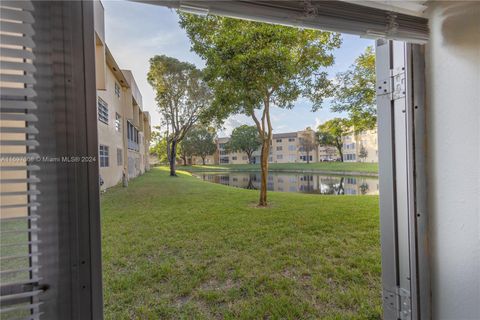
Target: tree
{"points": [[202, 139], [363, 153], [355, 92], [245, 139], [159, 145], [330, 133], [186, 147], [253, 66], [307, 142], [182, 97]]}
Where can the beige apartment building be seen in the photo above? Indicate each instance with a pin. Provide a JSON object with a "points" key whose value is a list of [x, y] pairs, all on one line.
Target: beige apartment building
{"points": [[123, 127], [286, 148], [360, 147]]}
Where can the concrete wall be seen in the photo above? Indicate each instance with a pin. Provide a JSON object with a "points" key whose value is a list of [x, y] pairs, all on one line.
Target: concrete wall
{"points": [[453, 122]]}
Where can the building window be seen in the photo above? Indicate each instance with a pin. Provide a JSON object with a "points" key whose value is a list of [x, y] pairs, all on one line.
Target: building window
{"points": [[291, 139], [234, 158], [304, 158], [244, 158], [117, 89], [279, 148], [291, 147], [118, 122], [224, 160], [119, 157], [279, 140], [102, 111], [104, 156], [350, 157], [279, 156], [132, 136]]}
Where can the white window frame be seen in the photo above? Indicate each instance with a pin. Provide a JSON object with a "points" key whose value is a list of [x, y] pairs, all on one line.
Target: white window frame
{"points": [[102, 110], [104, 156]]}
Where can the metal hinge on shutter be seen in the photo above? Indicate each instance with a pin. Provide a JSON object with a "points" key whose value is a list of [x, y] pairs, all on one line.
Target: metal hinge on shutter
{"points": [[398, 300], [393, 85]]}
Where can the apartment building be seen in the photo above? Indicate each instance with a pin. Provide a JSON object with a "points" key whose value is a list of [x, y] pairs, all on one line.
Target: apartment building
{"points": [[289, 147], [123, 127], [360, 147], [226, 157]]}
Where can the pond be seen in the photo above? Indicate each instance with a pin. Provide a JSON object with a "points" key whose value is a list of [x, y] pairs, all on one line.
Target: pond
{"points": [[296, 182]]}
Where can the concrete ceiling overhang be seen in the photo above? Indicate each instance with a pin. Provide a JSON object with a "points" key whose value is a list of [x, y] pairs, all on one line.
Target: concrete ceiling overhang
{"points": [[373, 19]]}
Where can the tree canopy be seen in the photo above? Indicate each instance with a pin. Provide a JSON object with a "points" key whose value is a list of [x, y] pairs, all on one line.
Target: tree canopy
{"points": [[245, 139], [330, 133], [252, 66], [355, 92], [203, 141], [182, 98]]}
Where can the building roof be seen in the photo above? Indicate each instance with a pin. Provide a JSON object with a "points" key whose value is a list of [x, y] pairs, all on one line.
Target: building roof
{"points": [[285, 135], [112, 64]]}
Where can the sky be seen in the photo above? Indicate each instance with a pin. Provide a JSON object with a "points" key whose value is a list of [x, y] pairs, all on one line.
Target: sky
{"points": [[135, 32]]}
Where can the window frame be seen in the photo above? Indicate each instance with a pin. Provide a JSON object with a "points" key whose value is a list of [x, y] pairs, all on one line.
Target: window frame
{"points": [[102, 110], [103, 156]]}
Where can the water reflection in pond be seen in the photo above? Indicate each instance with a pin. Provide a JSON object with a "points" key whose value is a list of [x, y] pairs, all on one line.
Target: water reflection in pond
{"points": [[297, 182]]}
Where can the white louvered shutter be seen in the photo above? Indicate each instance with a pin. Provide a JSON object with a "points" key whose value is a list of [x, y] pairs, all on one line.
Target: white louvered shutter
{"points": [[18, 193]]}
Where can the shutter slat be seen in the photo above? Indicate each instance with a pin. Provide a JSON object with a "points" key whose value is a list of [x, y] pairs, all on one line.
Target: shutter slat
{"points": [[18, 104], [27, 180], [18, 92], [20, 231], [20, 193], [24, 5], [15, 296], [17, 41], [19, 283], [21, 307], [17, 53], [29, 129], [20, 168], [29, 217], [4, 245], [14, 271], [19, 117], [18, 15], [20, 205], [21, 66], [22, 28], [29, 143], [20, 256], [26, 79]]}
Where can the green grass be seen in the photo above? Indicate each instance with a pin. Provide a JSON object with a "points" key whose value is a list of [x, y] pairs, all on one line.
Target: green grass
{"points": [[181, 248], [315, 166]]}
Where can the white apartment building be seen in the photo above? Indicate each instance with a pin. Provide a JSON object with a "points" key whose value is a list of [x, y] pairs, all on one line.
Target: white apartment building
{"points": [[123, 127], [360, 147], [285, 148]]}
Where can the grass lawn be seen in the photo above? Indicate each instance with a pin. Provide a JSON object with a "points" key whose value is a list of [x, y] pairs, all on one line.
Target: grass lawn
{"points": [[181, 248], [314, 166]]}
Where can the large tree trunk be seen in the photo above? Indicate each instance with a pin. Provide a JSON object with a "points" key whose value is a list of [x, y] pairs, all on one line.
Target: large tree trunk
{"points": [[173, 157], [339, 148], [184, 161], [203, 160], [308, 157], [264, 177]]}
